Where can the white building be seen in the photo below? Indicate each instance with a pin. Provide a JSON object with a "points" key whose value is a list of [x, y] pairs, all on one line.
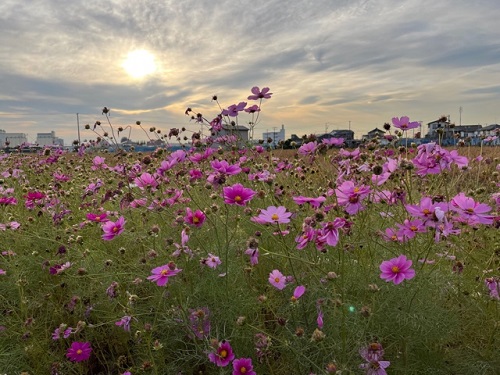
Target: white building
{"points": [[274, 136], [49, 139], [12, 139]]}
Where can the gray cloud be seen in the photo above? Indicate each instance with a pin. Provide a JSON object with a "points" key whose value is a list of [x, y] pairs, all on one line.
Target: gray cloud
{"points": [[364, 61]]}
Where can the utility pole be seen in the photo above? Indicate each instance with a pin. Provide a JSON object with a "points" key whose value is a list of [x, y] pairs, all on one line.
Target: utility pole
{"points": [[349, 124], [78, 126], [460, 111], [274, 136]]}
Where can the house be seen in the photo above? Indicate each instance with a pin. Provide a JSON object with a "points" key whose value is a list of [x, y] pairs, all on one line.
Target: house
{"points": [[348, 135], [220, 137], [375, 133], [444, 126]]}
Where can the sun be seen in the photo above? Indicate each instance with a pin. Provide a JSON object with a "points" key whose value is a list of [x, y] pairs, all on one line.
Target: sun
{"points": [[139, 64]]}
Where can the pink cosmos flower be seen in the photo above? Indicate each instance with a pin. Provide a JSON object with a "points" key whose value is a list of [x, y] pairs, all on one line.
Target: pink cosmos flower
{"points": [[397, 270], [404, 123], [113, 229], [254, 255], [98, 163], [63, 331], [298, 292], [333, 141], [222, 166], [252, 109], [223, 355], [319, 319], [273, 215], [79, 351], [375, 367], [258, 94], [3, 272], [232, 110], [243, 366], [161, 274], [237, 194], [307, 148], [330, 231], [124, 322], [314, 202], [470, 211], [410, 228], [59, 268], [212, 261], [196, 218], [493, 284], [145, 181], [277, 279], [98, 218], [349, 195]]}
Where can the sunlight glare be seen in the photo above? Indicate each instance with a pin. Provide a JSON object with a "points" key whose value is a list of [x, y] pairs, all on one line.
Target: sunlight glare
{"points": [[139, 63]]}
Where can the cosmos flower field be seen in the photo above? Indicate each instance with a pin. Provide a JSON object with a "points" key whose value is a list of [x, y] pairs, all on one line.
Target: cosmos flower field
{"points": [[242, 260]]}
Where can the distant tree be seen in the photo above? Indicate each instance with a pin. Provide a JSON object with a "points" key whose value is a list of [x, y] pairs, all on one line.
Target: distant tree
{"points": [[124, 139]]}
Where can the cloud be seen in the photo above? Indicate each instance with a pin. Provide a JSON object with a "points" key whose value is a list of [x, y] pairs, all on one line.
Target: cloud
{"points": [[359, 61]]}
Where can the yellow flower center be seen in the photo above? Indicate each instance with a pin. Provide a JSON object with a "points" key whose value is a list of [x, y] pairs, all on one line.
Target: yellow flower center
{"points": [[164, 272], [196, 220], [413, 228], [469, 210], [394, 238], [237, 198], [276, 279], [223, 353], [356, 189], [79, 351], [395, 269], [98, 218], [426, 211], [243, 370], [114, 230], [275, 217]]}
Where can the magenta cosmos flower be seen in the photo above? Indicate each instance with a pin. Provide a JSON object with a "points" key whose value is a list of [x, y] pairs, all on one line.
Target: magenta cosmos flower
{"points": [[277, 279], [79, 351], [113, 229], [397, 269], [273, 215], [237, 194], [404, 123], [223, 354], [243, 366], [196, 218], [258, 94], [98, 218], [161, 274]]}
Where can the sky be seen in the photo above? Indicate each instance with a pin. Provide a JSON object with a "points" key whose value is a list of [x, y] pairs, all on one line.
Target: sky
{"points": [[328, 63]]}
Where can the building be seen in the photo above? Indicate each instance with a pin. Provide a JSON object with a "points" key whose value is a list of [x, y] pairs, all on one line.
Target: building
{"points": [[240, 131], [274, 136], [12, 139], [49, 139], [375, 133]]}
